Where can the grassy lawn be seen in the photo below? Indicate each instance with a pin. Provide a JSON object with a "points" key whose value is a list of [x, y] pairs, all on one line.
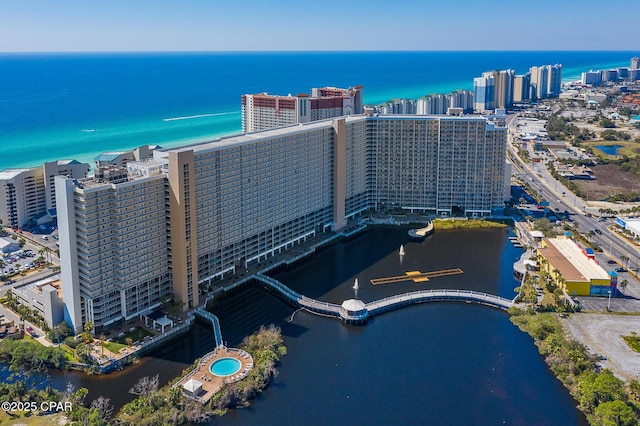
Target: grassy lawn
{"points": [[466, 224], [69, 353], [136, 335], [628, 148], [31, 420], [114, 346], [633, 342]]}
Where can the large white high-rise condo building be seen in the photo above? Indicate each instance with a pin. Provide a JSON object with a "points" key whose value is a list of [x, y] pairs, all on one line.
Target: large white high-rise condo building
{"points": [[264, 111], [114, 245], [635, 63], [28, 195], [205, 210]]}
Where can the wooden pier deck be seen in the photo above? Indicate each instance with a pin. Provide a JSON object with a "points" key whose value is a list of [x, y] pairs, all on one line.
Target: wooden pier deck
{"points": [[416, 276]]}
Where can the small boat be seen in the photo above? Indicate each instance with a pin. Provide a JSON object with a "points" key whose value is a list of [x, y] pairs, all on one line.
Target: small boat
{"points": [[401, 252], [355, 285]]}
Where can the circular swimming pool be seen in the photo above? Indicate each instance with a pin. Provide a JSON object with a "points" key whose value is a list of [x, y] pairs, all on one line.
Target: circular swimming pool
{"points": [[225, 367]]}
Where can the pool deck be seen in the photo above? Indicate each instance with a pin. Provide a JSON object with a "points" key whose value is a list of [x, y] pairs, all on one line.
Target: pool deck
{"points": [[212, 383]]}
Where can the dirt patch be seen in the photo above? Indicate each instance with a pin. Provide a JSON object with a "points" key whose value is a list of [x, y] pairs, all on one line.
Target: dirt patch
{"points": [[610, 180], [602, 335]]}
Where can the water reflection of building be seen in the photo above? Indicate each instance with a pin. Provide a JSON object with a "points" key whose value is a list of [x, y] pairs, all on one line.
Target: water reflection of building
{"points": [[196, 213]]}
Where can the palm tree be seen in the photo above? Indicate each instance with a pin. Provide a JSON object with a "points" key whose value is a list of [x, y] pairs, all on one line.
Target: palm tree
{"points": [[625, 259], [624, 284]]}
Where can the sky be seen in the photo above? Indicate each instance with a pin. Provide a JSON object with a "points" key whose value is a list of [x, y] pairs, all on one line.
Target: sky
{"points": [[263, 25]]}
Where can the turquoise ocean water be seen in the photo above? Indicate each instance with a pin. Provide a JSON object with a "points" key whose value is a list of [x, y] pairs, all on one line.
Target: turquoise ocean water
{"points": [[55, 106]]}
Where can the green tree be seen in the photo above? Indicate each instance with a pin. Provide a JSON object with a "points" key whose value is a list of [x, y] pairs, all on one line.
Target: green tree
{"points": [[615, 413], [596, 389], [607, 123]]}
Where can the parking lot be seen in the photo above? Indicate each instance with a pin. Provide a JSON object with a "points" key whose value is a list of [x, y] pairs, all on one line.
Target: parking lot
{"points": [[601, 334]]}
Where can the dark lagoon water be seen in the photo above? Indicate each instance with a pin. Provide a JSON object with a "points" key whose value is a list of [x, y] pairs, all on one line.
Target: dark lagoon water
{"points": [[434, 363], [609, 149]]}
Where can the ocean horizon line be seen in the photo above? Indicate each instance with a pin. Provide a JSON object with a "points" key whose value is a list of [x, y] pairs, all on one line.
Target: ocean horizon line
{"points": [[244, 52]]}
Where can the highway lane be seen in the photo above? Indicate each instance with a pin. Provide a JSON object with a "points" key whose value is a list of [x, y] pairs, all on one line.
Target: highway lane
{"points": [[539, 178]]}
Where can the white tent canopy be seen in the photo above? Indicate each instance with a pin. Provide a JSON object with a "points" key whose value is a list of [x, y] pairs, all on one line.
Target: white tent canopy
{"points": [[192, 386]]}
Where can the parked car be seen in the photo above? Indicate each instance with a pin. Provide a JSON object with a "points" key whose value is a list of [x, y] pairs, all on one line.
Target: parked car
{"points": [[597, 231], [621, 270], [611, 262]]}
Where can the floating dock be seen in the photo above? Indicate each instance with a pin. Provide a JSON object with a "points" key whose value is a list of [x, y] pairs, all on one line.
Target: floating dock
{"points": [[416, 276]]}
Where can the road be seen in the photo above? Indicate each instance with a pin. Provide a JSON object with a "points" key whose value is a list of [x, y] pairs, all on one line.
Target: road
{"points": [[561, 199]]}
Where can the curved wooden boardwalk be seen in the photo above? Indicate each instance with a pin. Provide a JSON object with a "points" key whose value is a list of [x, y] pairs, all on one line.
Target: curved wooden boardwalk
{"points": [[380, 306]]}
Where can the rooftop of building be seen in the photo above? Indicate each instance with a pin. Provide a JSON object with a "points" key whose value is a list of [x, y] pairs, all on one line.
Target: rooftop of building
{"points": [[565, 256], [54, 282], [245, 138], [7, 174]]}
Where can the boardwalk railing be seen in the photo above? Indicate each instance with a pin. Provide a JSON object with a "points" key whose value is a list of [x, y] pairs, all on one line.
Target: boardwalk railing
{"points": [[297, 299], [382, 305], [398, 301], [214, 322]]}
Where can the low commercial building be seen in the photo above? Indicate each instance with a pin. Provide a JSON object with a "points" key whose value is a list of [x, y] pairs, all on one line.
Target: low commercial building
{"points": [[631, 225], [45, 297], [570, 268], [8, 245]]}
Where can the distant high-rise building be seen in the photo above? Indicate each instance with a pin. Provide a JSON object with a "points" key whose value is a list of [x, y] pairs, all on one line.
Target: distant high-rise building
{"points": [[28, 195], [593, 78], [433, 104], [264, 111], [484, 94], [609, 75], [635, 63], [503, 87], [70, 168], [521, 88], [623, 73], [554, 79], [461, 99], [539, 81]]}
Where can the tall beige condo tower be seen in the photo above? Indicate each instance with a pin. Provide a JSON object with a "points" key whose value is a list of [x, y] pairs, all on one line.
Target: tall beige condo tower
{"points": [[182, 208]]}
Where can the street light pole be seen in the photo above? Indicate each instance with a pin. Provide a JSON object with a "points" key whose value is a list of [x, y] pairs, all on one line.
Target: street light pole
{"points": [[609, 303]]}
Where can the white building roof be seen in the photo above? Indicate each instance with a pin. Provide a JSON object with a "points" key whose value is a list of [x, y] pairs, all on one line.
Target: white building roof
{"points": [[585, 266], [633, 225], [193, 386], [4, 242], [7, 174]]}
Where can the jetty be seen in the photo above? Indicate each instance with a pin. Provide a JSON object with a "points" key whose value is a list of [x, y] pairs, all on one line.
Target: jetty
{"points": [[421, 233]]}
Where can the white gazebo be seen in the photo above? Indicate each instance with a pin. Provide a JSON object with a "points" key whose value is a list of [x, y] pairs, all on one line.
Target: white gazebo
{"points": [[353, 306], [192, 387], [158, 318]]}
